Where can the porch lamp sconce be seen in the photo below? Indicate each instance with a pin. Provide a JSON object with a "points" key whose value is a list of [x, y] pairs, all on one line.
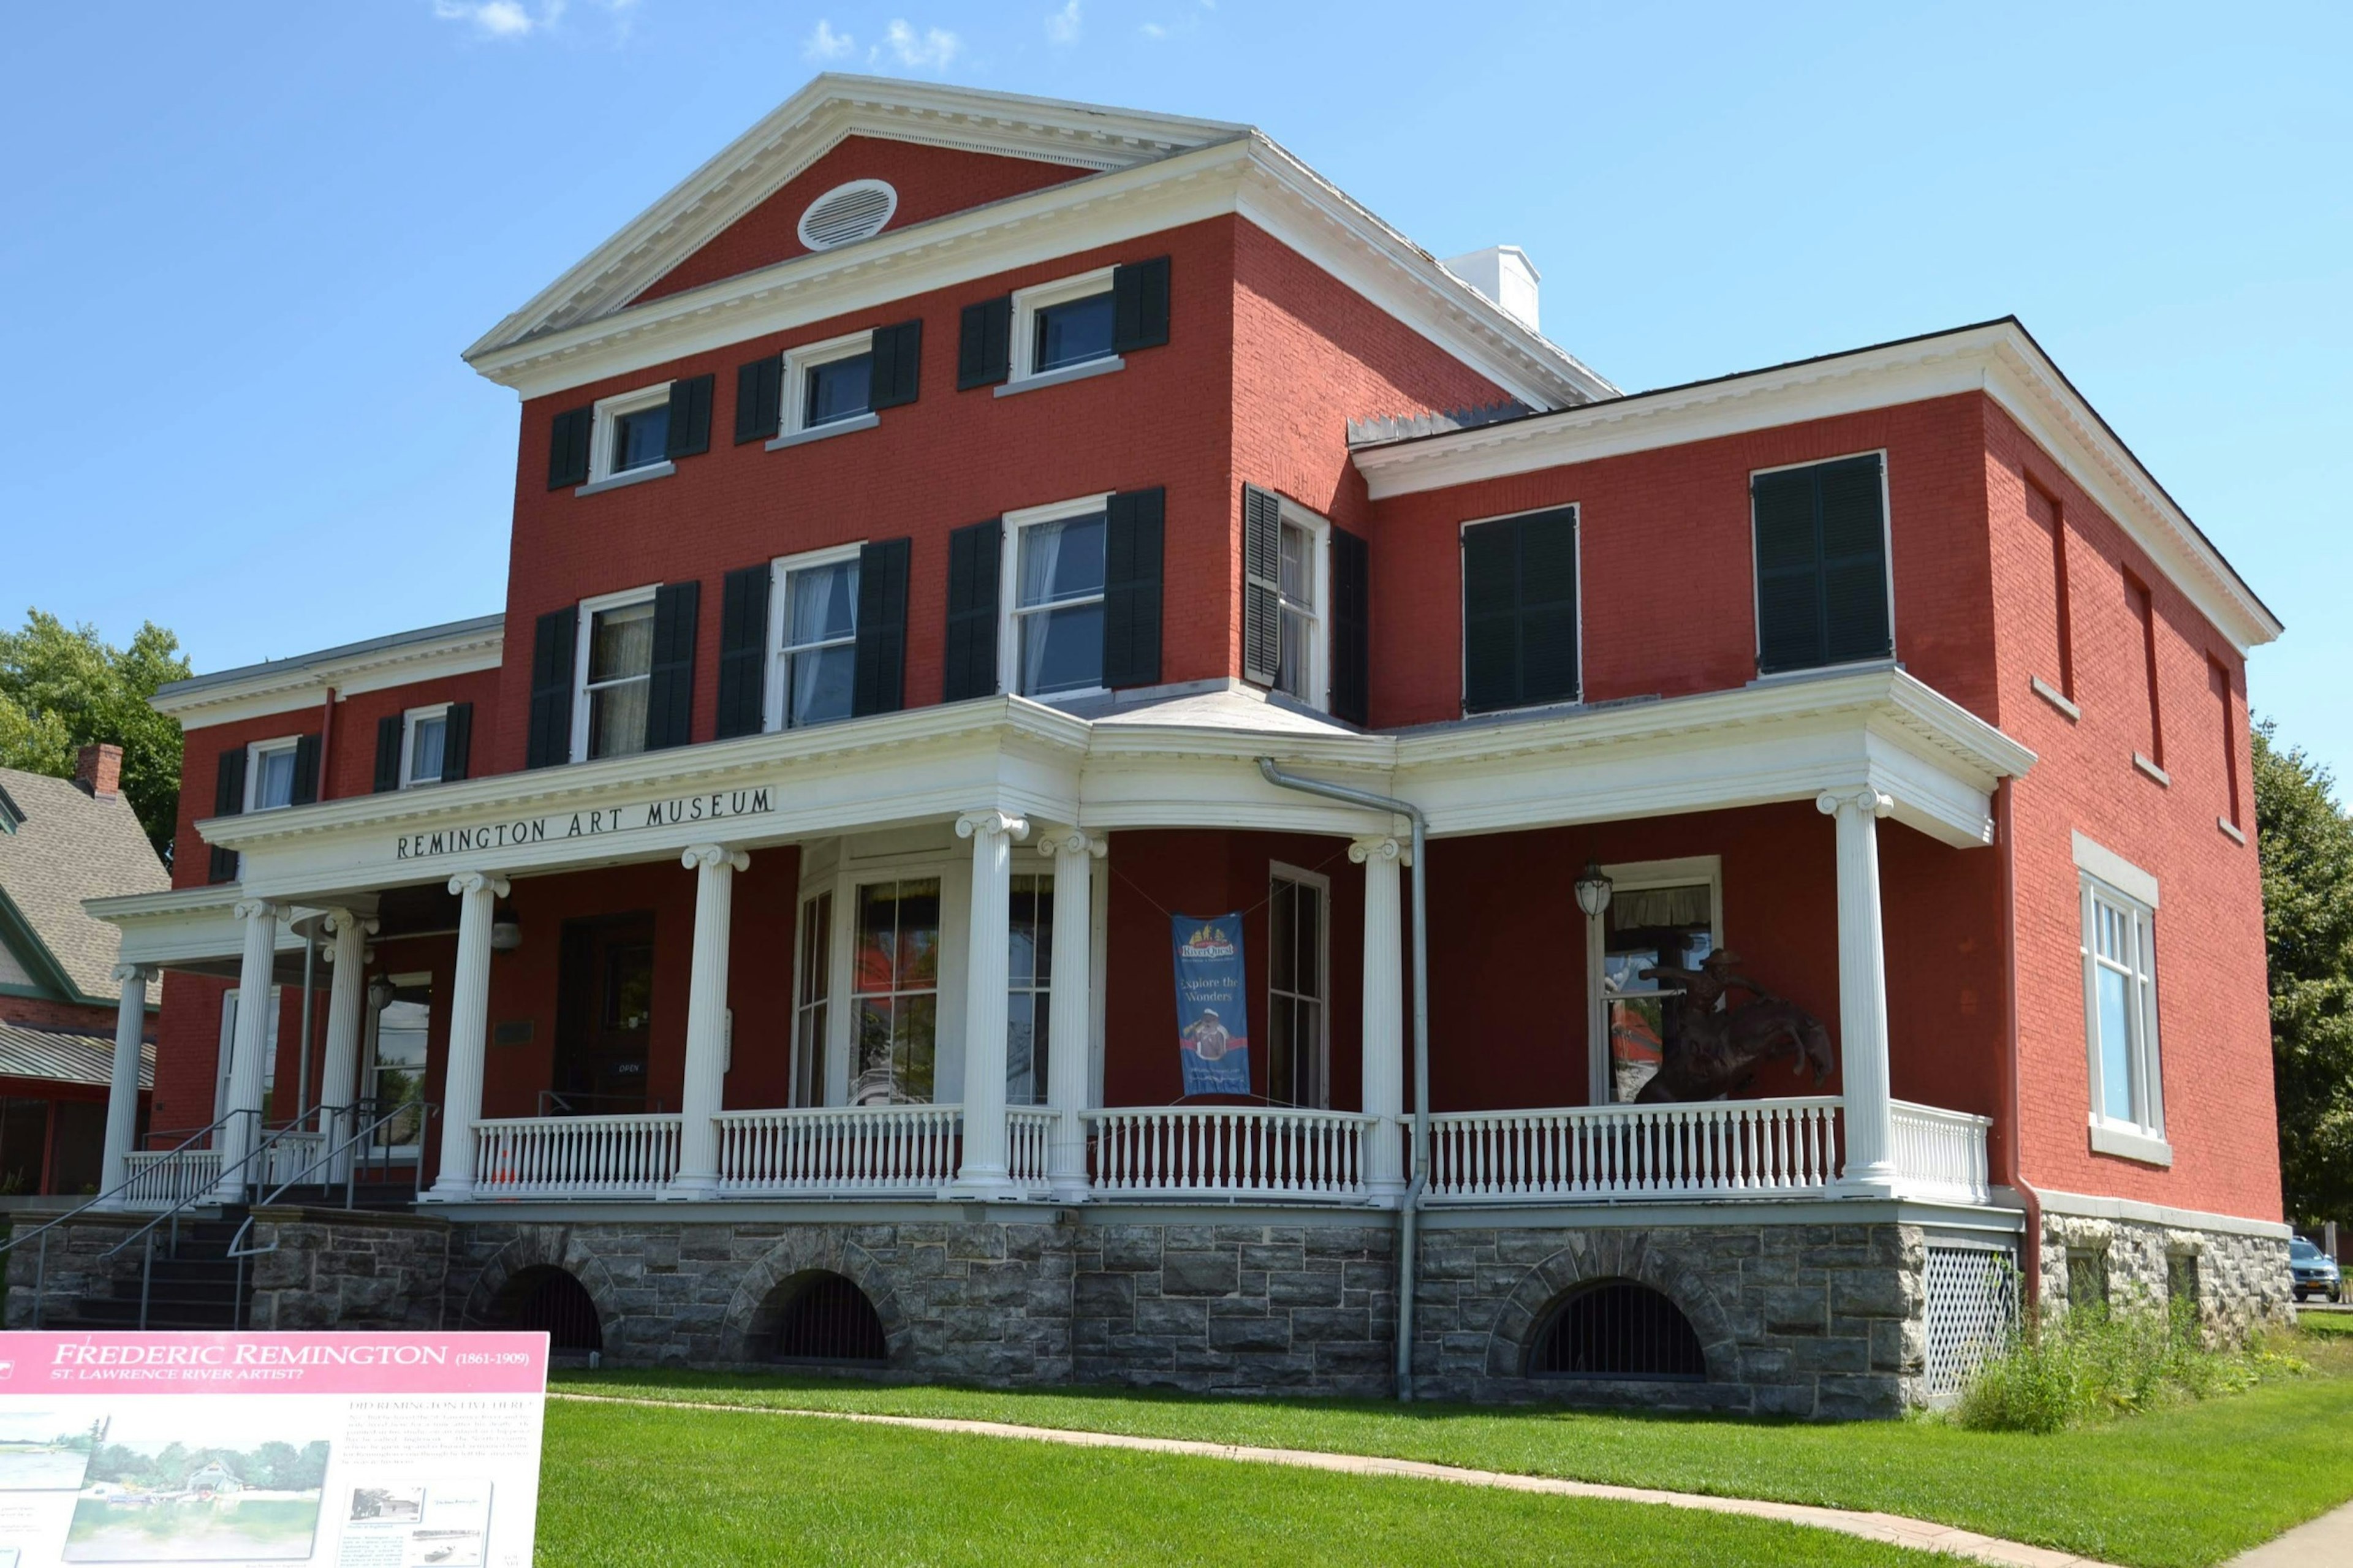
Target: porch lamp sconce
{"points": [[379, 995], [506, 933], [1593, 890]]}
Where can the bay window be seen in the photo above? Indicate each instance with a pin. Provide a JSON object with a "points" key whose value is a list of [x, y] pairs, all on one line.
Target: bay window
{"points": [[895, 992], [1029, 987], [1662, 916], [1298, 988]]}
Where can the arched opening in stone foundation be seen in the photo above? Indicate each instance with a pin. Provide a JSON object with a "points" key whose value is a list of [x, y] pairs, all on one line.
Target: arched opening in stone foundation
{"points": [[820, 1316], [545, 1297], [1616, 1329]]}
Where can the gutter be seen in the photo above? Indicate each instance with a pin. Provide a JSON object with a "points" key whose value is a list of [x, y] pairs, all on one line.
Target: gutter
{"points": [[2029, 1262], [1409, 1208]]}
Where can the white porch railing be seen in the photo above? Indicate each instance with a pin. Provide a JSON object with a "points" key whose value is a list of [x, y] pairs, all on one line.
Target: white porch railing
{"points": [[1940, 1154], [1229, 1152], [856, 1150], [575, 1156], [161, 1178], [1744, 1148], [1028, 1142]]}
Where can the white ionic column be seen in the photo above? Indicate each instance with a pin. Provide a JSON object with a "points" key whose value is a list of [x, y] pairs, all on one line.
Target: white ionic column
{"points": [[238, 1138], [988, 963], [714, 867], [1384, 1019], [338, 1074], [1069, 1019], [470, 1017], [122, 1089], [1862, 986]]}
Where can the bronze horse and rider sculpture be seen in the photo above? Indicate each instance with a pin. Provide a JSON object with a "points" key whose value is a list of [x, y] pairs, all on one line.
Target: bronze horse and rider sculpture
{"points": [[1715, 1051]]}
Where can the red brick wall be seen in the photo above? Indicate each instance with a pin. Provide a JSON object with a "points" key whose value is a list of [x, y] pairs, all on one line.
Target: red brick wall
{"points": [[41, 1013], [187, 1048], [950, 458], [2214, 1023], [932, 182], [1668, 597]]}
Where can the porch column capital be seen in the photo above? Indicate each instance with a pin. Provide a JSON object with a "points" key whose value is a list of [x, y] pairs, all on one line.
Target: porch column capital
{"points": [[133, 974], [1380, 846], [466, 882], [1859, 799], [1073, 841], [337, 919], [697, 856], [991, 823], [259, 909]]}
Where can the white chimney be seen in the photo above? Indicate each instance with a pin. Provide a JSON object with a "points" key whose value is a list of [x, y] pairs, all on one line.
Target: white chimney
{"points": [[1504, 274]]}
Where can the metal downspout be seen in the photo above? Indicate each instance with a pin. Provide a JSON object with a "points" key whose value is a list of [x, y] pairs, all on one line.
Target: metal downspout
{"points": [[1409, 1209]]}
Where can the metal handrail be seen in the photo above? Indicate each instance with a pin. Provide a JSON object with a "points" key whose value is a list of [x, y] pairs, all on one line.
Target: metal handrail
{"points": [[236, 1247], [122, 1186], [568, 1101]]}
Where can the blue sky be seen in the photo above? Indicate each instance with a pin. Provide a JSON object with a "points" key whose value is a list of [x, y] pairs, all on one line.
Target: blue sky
{"points": [[244, 242]]}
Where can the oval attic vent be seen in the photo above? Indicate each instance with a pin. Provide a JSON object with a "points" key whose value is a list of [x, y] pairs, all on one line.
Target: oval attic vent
{"points": [[847, 213]]}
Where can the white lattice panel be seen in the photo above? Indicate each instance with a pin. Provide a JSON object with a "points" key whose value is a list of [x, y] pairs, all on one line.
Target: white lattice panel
{"points": [[1972, 1307]]}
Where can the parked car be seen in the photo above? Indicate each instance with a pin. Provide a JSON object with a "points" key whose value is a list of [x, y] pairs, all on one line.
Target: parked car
{"points": [[2313, 1272]]}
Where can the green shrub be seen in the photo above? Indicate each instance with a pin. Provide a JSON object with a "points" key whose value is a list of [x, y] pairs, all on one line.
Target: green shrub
{"points": [[2092, 1365]]}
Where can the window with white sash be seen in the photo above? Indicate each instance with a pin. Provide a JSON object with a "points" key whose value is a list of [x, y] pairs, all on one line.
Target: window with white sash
{"points": [[813, 610], [2119, 953]]}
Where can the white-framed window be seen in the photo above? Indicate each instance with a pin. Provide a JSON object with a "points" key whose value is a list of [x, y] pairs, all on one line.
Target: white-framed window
{"points": [[1664, 915], [1029, 982], [2119, 953], [613, 675], [1298, 987], [828, 382], [228, 1047], [1061, 325], [1303, 669], [812, 999], [813, 633], [393, 1083], [425, 745], [1050, 644], [894, 991], [269, 773], [631, 434]]}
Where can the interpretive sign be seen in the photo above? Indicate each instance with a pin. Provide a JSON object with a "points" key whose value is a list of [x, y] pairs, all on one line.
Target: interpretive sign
{"points": [[347, 1450], [1212, 1018]]}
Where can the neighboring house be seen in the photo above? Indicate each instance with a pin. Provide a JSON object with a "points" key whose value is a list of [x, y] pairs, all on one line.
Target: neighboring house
{"points": [[62, 841], [943, 524]]}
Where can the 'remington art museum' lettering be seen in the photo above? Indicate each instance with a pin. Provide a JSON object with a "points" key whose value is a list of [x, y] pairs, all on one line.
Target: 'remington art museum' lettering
{"points": [[596, 823]]}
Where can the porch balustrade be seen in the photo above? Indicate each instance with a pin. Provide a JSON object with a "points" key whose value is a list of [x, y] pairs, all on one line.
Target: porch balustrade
{"points": [[854, 1151], [575, 1156], [1730, 1148], [1028, 1147], [1231, 1152], [1940, 1155], [162, 1179]]}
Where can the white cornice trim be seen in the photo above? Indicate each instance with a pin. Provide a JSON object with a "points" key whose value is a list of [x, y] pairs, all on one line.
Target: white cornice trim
{"points": [[1998, 358], [289, 684], [1247, 175]]}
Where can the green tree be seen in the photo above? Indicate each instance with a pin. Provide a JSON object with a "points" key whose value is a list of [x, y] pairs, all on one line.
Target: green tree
{"points": [[64, 687], [2307, 845]]}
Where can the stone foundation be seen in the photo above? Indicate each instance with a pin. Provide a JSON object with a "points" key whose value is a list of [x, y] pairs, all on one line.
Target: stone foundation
{"points": [[332, 1270], [76, 1265], [2241, 1281]]}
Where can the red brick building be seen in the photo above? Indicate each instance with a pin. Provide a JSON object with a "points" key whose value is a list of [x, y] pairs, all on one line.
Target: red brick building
{"points": [[973, 532]]}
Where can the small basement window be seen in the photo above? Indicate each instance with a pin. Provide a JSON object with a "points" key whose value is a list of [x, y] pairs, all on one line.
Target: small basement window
{"points": [[847, 213], [827, 1317], [547, 1298], [1617, 1329]]}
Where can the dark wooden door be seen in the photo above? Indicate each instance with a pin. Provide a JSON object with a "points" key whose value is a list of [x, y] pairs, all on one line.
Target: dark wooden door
{"points": [[604, 1015]]}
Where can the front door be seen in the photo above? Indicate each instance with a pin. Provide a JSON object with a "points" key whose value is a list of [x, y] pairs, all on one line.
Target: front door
{"points": [[604, 1015]]}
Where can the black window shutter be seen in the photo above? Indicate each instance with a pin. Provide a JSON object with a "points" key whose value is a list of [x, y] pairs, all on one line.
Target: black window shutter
{"points": [[306, 771], [567, 448], [1132, 553], [552, 648], [690, 416], [759, 399], [1821, 565], [984, 353], [229, 800], [669, 696], [1139, 305], [1262, 586], [1351, 647], [970, 666], [878, 679], [456, 742], [898, 365], [390, 732], [1519, 610], [743, 652], [1491, 562]]}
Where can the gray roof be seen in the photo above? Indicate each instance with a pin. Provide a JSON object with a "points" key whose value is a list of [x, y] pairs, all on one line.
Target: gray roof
{"points": [[67, 1056], [70, 848], [387, 644]]}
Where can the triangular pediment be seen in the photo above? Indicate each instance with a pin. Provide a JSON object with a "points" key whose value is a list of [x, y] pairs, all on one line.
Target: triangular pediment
{"points": [[953, 149]]}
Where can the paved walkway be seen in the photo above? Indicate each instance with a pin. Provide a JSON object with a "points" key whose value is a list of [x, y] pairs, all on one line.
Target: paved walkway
{"points": [[2325, 1542], [1892, 1528]]}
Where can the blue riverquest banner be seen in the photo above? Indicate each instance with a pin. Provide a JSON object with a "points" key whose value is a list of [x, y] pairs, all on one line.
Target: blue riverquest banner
{"points": [[1212, 1014]]}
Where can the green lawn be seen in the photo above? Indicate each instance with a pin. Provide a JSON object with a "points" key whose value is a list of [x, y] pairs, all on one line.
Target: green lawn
{"points": [[628, 1483], [2184, 1486]]}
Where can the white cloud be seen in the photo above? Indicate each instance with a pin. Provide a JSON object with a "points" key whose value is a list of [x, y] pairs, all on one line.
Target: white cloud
{"points": [[931, 49], [824, 44], [1062, 26], [500, 18]]}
